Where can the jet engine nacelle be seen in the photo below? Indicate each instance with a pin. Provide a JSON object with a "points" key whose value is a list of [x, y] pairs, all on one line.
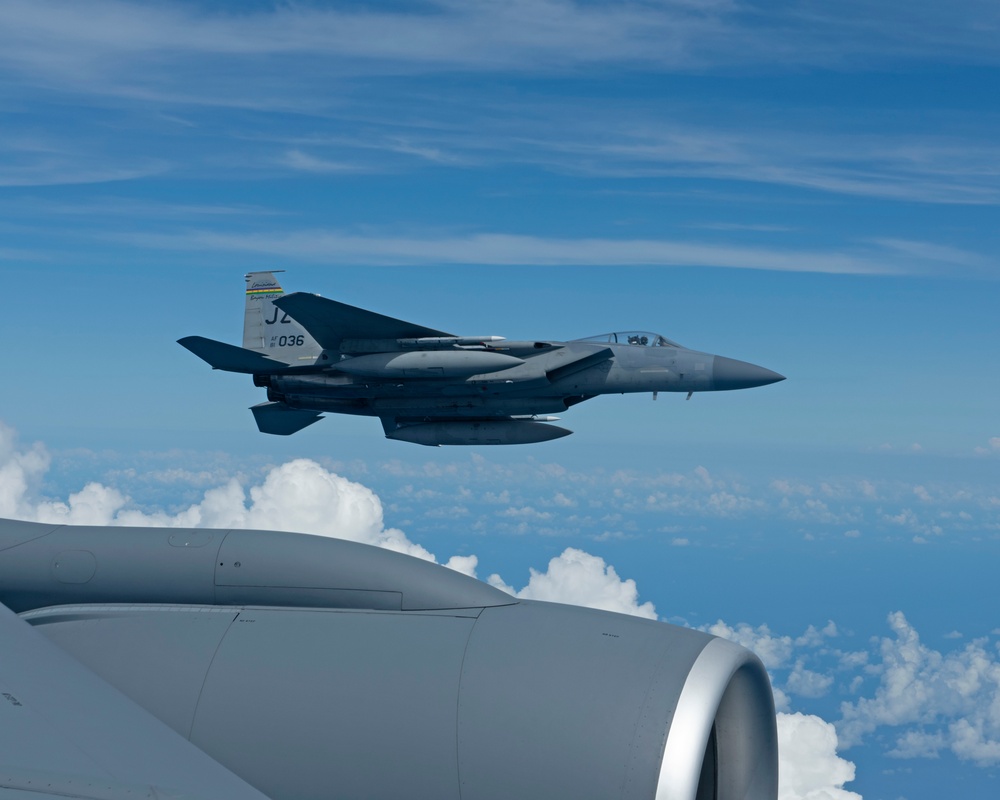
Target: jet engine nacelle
{"points": [[328, 698]]}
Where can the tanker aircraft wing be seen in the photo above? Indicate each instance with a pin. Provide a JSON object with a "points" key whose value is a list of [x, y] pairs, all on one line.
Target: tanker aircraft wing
{"points": [[65, 732], [427, 386]]}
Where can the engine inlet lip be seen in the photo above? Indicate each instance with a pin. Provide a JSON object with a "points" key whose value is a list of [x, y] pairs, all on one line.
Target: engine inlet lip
{"points": [[727, 695]]}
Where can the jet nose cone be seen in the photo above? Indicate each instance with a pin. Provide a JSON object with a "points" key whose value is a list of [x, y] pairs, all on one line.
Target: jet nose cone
{"points": [[728, 373]]}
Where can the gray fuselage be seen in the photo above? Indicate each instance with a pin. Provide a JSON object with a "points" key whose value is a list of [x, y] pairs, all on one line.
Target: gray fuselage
{"points": [[532, 387]]}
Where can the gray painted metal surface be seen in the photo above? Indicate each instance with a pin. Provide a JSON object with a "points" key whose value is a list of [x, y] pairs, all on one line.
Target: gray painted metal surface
{"points": [[315, 355], [65, 732], [536, 693], [198, 566], [279, 657]]}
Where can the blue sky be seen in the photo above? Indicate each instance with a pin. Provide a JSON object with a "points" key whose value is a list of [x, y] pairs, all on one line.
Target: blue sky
{"points": [[807, 187]]}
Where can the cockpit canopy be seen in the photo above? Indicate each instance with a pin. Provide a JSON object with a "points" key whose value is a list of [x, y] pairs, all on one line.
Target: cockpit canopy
{"points": [[638, 338]]}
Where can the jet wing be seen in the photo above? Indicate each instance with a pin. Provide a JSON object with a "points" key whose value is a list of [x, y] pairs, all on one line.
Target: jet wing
{"points": [[64, 732], [329, 322]]}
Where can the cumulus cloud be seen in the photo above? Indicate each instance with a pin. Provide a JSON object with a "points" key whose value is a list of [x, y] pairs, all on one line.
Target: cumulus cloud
{"points": [[525, 512], [774, 651], [20, 473], [806, 682], [581, 579], [563, 501], [299, 495], [926, 702], [808, 765], [464, 564], [940, 701], [814, 636]]}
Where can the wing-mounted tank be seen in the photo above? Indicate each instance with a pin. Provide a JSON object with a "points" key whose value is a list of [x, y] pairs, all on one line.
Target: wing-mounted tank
{"points": [[475, 432], [455, 363], [456, 690], [423, 357]]}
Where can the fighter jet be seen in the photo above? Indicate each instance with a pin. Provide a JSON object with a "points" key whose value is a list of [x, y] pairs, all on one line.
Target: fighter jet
{"points": [[430, 387]]}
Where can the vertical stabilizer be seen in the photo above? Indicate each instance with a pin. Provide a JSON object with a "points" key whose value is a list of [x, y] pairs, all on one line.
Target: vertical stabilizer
{"points": [[269, 330]]}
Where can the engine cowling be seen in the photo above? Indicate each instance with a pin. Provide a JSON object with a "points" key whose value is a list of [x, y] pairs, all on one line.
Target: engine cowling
{"points": [[295, 680]]}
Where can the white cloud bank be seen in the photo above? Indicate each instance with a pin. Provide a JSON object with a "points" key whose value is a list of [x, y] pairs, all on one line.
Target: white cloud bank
{"points": [[941, 701], [298, 495]]}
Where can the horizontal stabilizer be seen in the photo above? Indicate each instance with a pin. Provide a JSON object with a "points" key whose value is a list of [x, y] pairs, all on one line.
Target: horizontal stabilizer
{"points": [[280, 420], [229, 357], [330, 322], [581, 363]]}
